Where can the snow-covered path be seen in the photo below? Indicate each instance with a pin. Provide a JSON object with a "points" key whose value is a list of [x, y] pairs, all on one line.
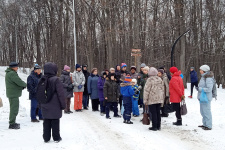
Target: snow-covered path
{"points": [[89, 130]]}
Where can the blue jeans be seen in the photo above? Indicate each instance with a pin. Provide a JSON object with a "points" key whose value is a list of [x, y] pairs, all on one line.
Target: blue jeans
{"points": [[115, 109], [205, 109], [127, 103], [34, 105], [102, 107], [85, 100], [135, 108]]}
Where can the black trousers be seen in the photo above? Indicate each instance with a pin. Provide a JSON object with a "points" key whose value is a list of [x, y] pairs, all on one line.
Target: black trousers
{"points": [[120, 101], [114, 106], [192, 86], [176, 107], [95, 103], [156, 117], [51, 125]]}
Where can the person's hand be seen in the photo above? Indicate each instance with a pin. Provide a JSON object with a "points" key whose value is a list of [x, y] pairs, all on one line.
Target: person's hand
{"points": [[182, 97], [139, 77], [80, 87], [106, 98]]}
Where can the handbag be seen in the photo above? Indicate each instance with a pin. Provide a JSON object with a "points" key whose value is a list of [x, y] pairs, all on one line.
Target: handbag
{"points": [[1, 103], [183, 108], [168, 108], [203, 97], [145, 120]]}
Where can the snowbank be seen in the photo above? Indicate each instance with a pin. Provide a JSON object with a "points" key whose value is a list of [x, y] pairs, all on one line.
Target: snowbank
{"points": [[90, 131]]}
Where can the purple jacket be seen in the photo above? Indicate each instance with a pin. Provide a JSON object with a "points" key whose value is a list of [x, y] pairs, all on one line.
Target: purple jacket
{"points": [[101, 82], [53, 109]]}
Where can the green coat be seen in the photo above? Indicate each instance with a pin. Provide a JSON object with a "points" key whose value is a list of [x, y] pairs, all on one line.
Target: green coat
{"points": [[142, 82], [14, 85]]}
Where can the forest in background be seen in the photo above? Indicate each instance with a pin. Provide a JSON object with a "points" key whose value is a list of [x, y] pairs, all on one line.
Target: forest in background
{"points": [[107, 30]]}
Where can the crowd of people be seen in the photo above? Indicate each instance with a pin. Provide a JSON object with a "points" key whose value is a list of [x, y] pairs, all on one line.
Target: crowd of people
{"points": [[150, 89]]}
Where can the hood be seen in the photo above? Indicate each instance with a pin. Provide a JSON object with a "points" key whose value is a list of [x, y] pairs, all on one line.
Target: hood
{"points": [[209, 74], [50, 68], [9, 70], [178, 73], [125, 83], [65, 72]]}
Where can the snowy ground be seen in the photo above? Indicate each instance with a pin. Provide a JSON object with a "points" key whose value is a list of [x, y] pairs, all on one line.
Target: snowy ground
{"points": [[89, 131]]}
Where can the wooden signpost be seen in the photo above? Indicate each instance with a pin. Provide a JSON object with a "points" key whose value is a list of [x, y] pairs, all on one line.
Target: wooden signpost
{"points": [[137, 54]]}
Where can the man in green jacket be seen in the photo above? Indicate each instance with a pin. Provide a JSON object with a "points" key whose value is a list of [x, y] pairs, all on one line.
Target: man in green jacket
{"points": [[14, 87]]}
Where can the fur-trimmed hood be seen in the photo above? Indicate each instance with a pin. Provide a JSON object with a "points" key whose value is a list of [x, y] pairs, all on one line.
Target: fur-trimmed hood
{"points": [[209, 74], [125, 84]]}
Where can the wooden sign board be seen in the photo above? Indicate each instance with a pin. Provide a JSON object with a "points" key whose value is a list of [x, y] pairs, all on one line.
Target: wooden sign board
{"points": [[136, 50], [132, 54]]}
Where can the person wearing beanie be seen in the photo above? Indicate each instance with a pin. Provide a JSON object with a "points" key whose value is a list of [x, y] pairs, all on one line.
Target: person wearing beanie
{"points": [[85, 93], [68, 87], [135, 98], [32, 83], [112, 70], [206, 86], [133, 73], [101, 82], [143, 65], [165, 71], [111, 95], [123, 71], [176, 88], [141, 82], [127, 92], [154, 97], [78, 79], [166, 81], [14, 86]]}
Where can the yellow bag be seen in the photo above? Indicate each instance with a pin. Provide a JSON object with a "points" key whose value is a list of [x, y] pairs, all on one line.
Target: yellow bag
{"points": [[1, 103]]}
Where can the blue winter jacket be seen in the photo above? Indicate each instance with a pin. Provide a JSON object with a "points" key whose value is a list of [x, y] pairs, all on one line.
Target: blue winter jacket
{"points": [[206, 83], [93, 86], [194, 76], [126, 89], [32, 82]]}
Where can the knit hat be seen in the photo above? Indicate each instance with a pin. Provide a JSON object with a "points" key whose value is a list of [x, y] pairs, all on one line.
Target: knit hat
{"points": [[133, 67], [134, 80], [128, 78], [173, 69], [123, 65], [152, 71], [66, 67], [193, 68], [13, 64], [162, 67], [161, 70], [103, 73], [84, 66], [146, 68], [36, 66], [78, 66], [205, 68], [143, 65]]}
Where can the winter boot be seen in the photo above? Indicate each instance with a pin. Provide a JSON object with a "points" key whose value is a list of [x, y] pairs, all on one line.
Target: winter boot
{"points": [[35, 120], [14, 126], [125, 121], [153, 129], [117, 116], [108, 117], [178, 123], [70, 111], [129, 122], [60, 139], [189, 96]]}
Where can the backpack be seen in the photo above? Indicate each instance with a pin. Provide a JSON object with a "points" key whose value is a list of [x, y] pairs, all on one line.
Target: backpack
{"points": [[44, 91]]}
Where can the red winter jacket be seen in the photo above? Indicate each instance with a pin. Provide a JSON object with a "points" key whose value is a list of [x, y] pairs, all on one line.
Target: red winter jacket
{"points": [[176, 87]]}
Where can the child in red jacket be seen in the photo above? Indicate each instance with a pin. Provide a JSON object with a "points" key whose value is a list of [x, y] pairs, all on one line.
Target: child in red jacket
{"points": [[176, 88]]}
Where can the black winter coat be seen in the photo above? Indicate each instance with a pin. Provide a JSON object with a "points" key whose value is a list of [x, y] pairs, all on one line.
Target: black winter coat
{"points": [[111, 91], [86, 74], [66, 81], [32, 82], [53, 109]]}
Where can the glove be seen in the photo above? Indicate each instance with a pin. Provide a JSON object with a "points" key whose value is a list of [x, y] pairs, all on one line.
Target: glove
{"points": [[80, 87], [136, 92], [182, 97], [197, 88]]}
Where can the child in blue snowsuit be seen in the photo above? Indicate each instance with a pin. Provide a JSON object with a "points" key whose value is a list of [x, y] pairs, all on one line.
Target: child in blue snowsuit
{"points": [[127, 92], [135, 98]]}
